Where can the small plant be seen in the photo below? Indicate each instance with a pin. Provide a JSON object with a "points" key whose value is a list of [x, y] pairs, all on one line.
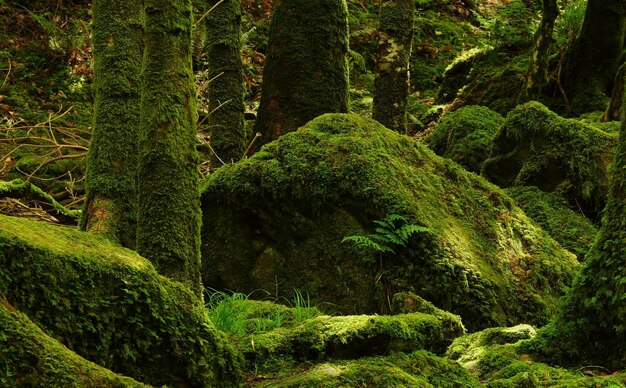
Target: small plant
{"points": [[302, 306], [228, 311]]}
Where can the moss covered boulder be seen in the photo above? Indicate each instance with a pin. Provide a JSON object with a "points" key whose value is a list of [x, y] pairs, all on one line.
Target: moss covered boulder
{"points": [[536, 147], [465, 135], [109, 305], [276, 222], [32, 358], [552, 212]]}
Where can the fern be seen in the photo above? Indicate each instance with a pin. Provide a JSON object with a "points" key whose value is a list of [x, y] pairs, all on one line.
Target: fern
{"points": [[391, 232]]}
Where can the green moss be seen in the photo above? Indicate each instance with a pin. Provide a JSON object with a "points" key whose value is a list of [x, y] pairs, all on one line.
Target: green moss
{"points": [[306, 73], [110, 206], [417, 369], [17, 188], [497, 357], [495, 80], [353, 336], [391, 87], [226, 90], [110, 306], [276, 222], [465, 135], [572, 230], [32, 358], [536, 147], [168, 219]]}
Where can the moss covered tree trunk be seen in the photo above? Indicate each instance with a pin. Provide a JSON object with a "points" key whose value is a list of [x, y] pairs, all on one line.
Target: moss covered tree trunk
{"points": [[391, 86], [594, 58], [538, 69], [306, 73], [614, 109], [226, 91], [592, 326], [110, 207], [168, 222]]}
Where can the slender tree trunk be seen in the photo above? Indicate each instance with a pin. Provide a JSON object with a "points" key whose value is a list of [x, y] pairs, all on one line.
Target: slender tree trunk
{"points": [[595, 56], [168, 222], [593, 320], [614, 109], [226, 91], [391, 86], [538, 70], [306, 73], [110, 207]]}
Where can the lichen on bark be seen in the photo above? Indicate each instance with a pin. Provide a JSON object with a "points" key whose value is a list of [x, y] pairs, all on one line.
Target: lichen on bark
{"points": [[391, 87]]}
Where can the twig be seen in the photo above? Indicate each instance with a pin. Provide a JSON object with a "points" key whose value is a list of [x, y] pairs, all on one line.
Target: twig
{"points": [[208, 12], [593, 367], [251, 146], [6, 78]]}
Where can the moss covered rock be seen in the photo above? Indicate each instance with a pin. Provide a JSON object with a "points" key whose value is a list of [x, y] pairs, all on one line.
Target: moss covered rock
{"points": [[536, 147], [418, 369], [497, 358], [465, 135], [32, 358], [110, 306], [552, 212], [276, 222]]}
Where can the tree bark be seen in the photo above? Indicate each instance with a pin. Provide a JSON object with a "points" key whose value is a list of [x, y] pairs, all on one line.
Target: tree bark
{"points": [[595, 56], [110, 206], [226, 91], [168, 221], [536, 76], [306, 73], [391, 86]]}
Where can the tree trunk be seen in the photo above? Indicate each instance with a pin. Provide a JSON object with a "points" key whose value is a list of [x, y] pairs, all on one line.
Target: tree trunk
{"points": [[593, 320], [538, 69], [391, 86], [226, 91], [110, 206], [613, 111], [306, 73], [168, 221], [595, 56]]}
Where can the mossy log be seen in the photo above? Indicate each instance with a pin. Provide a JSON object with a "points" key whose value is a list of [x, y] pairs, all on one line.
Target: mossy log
{"points": [[276, 222], [32, 358], [110, 205], [226, 90], [168, 220], [391, 85], [306, 72], [111, 307], [536, 147], [354, 336]]}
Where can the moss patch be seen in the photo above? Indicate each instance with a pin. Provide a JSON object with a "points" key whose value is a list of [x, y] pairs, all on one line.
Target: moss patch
{"points": [[536, 147], [32, 358], [276, 221], [465, 135], [110, 306], [552, 212], [418, 369]]}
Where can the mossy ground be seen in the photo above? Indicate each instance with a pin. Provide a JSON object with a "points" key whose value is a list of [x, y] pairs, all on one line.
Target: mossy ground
{"points": [[110, 306], [465, 135], [276, 221], [536, 147]]}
